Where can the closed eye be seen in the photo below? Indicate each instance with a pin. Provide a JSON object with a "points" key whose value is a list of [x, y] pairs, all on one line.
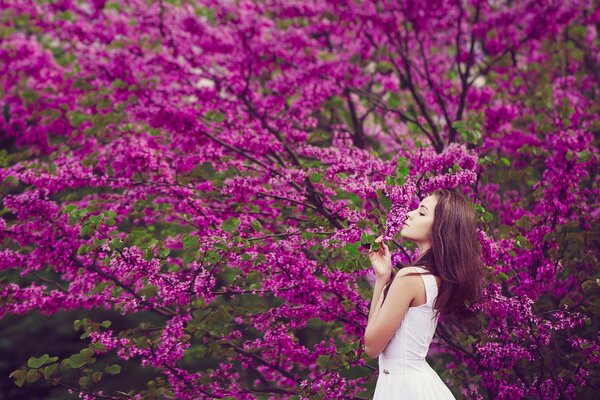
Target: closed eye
{"points": [[421, 214]]}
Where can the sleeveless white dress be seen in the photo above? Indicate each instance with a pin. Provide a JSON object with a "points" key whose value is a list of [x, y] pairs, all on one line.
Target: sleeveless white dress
{"points": [[403, 371]]}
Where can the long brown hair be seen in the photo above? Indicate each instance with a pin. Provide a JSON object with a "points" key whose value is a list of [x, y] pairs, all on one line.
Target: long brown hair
{"points": [[454, 255]]}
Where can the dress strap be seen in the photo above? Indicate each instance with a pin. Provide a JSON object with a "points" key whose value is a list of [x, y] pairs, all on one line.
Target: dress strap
{"points": [[431, 288]]}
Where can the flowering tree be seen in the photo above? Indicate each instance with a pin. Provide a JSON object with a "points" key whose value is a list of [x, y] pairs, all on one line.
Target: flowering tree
{"points": [[211, 169]]}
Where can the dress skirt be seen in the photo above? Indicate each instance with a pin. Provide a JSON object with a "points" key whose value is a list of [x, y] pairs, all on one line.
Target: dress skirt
{"points": [[424, 384]]}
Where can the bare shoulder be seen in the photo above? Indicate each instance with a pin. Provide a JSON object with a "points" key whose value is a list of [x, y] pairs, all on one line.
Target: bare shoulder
{"points": [[408, 270], [408, 275], [406, 285]]}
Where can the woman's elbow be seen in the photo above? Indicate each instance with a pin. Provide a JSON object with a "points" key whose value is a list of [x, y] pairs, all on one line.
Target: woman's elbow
{"points": [[372, 352], [370, 349]]}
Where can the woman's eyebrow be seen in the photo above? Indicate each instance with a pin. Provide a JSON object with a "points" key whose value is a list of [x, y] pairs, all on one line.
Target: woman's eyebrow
{"points": [[424, 207]]}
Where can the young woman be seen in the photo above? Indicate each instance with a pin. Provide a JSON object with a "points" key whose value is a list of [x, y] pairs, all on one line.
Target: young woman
{"points": [[405, 307]]}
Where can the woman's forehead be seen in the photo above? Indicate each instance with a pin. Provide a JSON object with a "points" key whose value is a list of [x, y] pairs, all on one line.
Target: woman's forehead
{"points": [[429, 202]]}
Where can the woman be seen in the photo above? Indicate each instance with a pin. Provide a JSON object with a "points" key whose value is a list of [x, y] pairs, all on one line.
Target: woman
{"points": [[446, 276]]}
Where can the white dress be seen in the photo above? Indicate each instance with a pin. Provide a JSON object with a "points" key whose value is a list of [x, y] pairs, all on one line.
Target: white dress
{"points": [[403, 371]]}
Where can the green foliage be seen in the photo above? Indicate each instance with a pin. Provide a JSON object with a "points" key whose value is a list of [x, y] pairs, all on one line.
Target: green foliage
{"points": [[38, 362], [213, 116], [401, 173], [113, 369], [230, 225], [469, 131]]}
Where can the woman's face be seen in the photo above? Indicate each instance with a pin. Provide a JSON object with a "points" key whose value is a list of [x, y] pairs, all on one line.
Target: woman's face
{"points": [[419, 221]]}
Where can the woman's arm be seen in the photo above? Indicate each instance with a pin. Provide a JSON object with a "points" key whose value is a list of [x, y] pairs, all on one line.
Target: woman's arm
{"points": [[387, 317], [377, 300], [381, 260]]}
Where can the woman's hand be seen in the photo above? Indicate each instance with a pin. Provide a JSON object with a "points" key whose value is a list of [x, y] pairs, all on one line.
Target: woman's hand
{"points": [[381, 260]]}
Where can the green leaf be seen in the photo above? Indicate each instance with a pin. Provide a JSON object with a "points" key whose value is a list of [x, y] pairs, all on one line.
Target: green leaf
{"points": [[64, 365], [458, 125], [584, 155], [316, 177], [99, 288], [85, 230], [32, 375], [394, 100], [190, 241], [214, 116], [401, 168], [323, 361], [50, 370], [384, 66], [98, 346], [106, 324], [76, 361], [345, 349], [110, 222], [149, 291], [256, 225], [352, 248], [87, 353], [114, 369], [82, 249], [38, 362], [19, 377], [366, 238], [10, 180], [95, 219], [164, 252], [84, 381], [469, 131], [230, 225], [487, 216], [77, 324], [68, 209], [118, 83], [412, 127], [521, 241], [207, 12]]}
